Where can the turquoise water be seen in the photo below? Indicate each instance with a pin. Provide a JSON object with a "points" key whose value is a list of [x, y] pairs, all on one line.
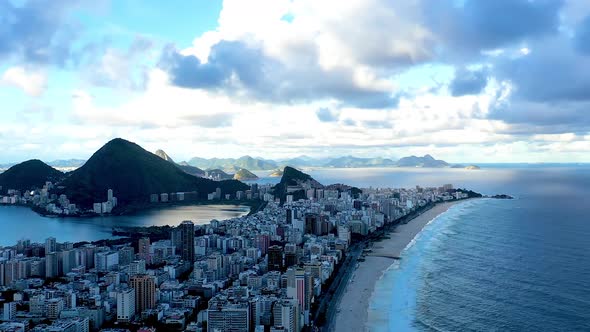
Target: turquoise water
{"points": [[20, 222]]}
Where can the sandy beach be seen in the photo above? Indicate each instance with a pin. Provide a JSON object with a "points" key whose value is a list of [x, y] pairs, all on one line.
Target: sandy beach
{"points": [[353, 306]]}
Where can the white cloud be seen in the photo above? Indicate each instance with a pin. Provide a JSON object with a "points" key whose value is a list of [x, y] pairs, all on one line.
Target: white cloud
{"points": [[32, 82]]}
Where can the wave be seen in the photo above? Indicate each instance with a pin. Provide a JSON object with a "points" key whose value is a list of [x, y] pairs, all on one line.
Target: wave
{"points": [[394, 295]]}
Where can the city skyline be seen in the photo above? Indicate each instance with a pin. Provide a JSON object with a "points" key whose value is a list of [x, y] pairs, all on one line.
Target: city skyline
{"points": [[279, 79]]}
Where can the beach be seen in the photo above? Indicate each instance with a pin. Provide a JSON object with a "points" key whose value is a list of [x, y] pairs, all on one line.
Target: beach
{"points": [[353, 306]]}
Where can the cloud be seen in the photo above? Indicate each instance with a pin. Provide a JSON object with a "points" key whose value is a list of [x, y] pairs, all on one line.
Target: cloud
{"points": [[37, 31], [119, 69], [244, 70], [326, 115], [552, 72], [488, 25], [468, 82], [226, 60], [32, 82]]}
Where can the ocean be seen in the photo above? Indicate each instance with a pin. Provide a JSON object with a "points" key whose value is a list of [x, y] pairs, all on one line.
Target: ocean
{"points": [[497, 265]]}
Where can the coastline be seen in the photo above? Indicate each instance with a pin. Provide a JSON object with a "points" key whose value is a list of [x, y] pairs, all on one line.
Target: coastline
{"points": [[353, 305]]}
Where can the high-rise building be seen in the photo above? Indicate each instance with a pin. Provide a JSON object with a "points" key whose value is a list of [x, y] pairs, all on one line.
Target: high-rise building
{"points": [[143, 248], [187, 235], [51, 265], [145, 292], [275, 258], [125, 305], [300, 288], [68, 258], [286, 315], [310, 222], [262, 243], [176, 239], [289, 218], [50, 245], [9, 311], [106, 260], [126, 255]]}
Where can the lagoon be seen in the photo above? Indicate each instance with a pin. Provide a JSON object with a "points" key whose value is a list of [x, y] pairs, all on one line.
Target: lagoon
{"points": [[22, 223]]}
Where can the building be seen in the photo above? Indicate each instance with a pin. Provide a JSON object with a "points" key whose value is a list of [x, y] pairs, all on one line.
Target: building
{"points": [[125, 305], [187, 240], [51, 265], [275, 258], [262, 243], [228, 316], [50, 245], [143, 248], [137, 267], [106, 260], [286, 315], [9, 311], [54, 308], [145, 292]]}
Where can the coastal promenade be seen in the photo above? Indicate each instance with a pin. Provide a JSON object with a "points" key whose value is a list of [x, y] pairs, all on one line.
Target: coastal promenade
{"points": [[352, 302]]}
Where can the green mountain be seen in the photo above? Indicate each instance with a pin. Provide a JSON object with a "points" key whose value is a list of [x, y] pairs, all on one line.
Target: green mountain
{"points": [[134, 173], [244, 174], [28, 175], [195, 171], [232, 165], [294, 178]]}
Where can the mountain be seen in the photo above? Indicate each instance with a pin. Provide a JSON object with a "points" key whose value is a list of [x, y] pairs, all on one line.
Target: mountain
{"points": [[426, 161], [231, 164], [245, 175], [28, 175], [217, 174], [164, 155], [294, 182], [195, 171], [134, 173], [192, 170], [303, 161], [352, 162]]}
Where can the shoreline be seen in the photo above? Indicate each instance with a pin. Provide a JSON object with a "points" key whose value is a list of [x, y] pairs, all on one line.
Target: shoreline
{"points": [[353, 305]]}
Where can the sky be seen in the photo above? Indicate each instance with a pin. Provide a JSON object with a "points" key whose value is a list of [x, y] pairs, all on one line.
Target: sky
{"points": [[465, 81]]}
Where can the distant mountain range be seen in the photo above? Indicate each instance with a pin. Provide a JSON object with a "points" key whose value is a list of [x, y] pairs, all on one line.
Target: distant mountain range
{"points": [[257, 164], [198, 166], [233, 165]]}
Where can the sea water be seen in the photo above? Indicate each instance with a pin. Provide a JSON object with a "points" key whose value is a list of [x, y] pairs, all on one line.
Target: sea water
{"points": [[497, 265]]}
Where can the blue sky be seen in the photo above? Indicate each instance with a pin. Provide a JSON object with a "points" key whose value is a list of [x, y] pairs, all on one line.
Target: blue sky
{"points": [[468, 81]]}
